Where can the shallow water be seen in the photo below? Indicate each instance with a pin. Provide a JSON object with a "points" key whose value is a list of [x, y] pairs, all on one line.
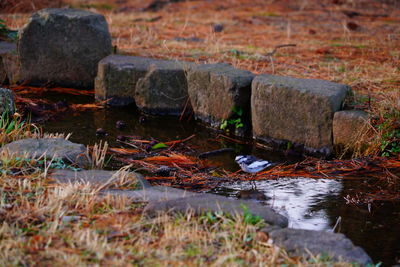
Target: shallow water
{"points": [[308, 203]]}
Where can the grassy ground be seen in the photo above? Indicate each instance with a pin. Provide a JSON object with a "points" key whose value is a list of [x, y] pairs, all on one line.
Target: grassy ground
{"points": [[47, 224], [352, 42], [70, 225]]}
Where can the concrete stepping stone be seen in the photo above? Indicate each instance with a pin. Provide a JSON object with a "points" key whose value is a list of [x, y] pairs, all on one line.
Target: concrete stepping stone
{"points": [[298, 242], [351, 127], [156, 86], [152, 194], [218, 91], [63, 46], [296, 110], [202, 203], [95, 177], [57, 148]]}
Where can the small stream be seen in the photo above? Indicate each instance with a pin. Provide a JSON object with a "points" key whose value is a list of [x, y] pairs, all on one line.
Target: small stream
{"points": [[317, 204]]}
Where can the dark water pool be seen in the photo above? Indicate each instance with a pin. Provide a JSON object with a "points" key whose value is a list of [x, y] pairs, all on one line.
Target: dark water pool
{"points": [[308, 203]]}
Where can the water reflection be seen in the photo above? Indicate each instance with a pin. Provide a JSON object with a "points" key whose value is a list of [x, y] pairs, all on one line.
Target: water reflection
{"points": [[317, 205], [295, 198]]}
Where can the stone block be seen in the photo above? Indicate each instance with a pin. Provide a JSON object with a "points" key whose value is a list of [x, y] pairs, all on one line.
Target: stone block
{"points": [[217, 90], [163, 90], [299, 242], [296, 110], [117, 77], [152, 193], [351, 127], [50, 148], [203, 203], [99, 177], [63, 46], [156, 86]]}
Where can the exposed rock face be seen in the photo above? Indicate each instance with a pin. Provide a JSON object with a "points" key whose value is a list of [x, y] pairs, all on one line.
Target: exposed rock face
{"points": [[295, 110], [157, 86], [49, 148], [63, 47], [202, 203], [216, 90], [9, 65], [299, 242], [350, 127], [6, 101]]}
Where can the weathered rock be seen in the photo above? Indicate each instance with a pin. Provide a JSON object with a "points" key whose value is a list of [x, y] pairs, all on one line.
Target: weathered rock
{"points": [[117, 77], [152, 194], [296, 110], [216, 90], [49, 148], [63, 46], [97, 177], [157, 86], [9, 66], [351, 127], [202, 203], [163, 90], [6, 101], [299, 242]]}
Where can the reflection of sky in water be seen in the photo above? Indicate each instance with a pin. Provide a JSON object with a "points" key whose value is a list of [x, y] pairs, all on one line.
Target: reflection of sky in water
{"points": [[298, 199]]}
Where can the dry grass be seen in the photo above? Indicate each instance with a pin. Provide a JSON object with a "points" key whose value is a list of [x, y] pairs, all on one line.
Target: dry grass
{"points": [[71, 225], [358, 50], [13, 6], [98, 155]]}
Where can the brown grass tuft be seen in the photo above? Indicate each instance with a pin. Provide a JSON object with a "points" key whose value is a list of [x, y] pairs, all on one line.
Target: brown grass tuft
{"points": [[23, 6]]}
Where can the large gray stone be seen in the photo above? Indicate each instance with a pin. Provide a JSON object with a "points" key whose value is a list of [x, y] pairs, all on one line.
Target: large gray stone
{"points": [[63, 46], [296, 110], [49, 148], [117, 77], [215, 90], [96, 177], [163, 90], [6, 101], [351, 128], [9, 65], [152, 194], [202, 203], [157, 86], [299, 242]]}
